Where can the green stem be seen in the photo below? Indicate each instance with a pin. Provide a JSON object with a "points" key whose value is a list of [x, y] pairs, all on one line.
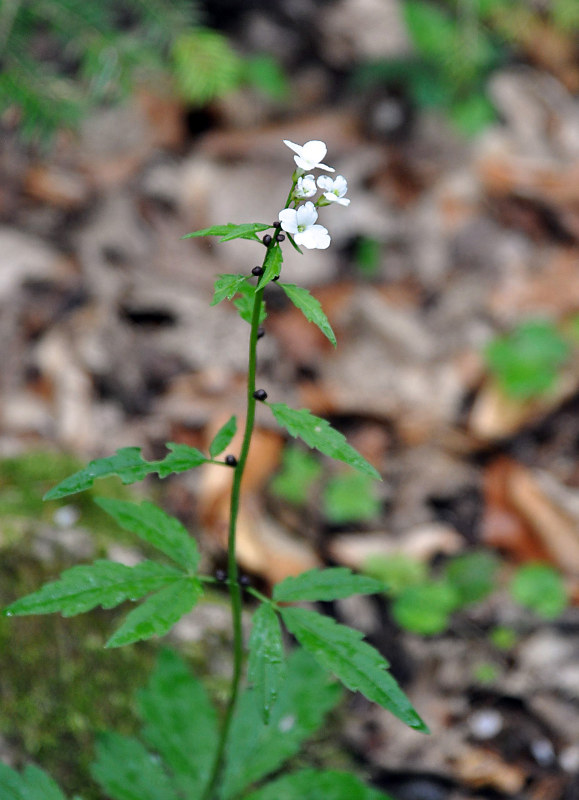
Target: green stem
{"points": [[232, 572]]}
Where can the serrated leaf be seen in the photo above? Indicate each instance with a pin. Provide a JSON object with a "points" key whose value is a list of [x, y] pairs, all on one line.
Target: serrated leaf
{"points": [[310, 783], [223, 437], [255, 749], [319, 434], [325, 584], [181, 458], [32, 784], [244, 303], [126, 771], [353, 661], [310, 308], [129, 465], [266, 657], [157, 615], [104, 583], [156, 527], [226, 286], [247, 230], [180, 722], [271, 266]]}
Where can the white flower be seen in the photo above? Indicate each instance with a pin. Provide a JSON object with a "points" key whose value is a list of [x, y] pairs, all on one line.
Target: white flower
{"points": [[305, 187], [334, 189], [300, 223], [309, 156]]}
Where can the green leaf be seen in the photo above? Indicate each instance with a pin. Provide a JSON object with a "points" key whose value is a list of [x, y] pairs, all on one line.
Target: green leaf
{"points": [[266, 74], [126, 771], [266, 657], [472, 575], [397, 571], [300, 470], [541, 588], [255, 749], [205, 65], [310, 783], [350, 497], [426, 608], [244, 303], [247, 230], [226, 287], [526, 361], [325, 584], [319, 434], [180, 459], [32, 784], [104, 583], [180, 723], [310, 308], [354, 662], [157, 615], [155, 527], [223, 437], [271, 265], [129, 466]]}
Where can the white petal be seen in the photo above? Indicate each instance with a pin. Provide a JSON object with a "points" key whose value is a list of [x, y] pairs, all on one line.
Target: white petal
{"points": [[314, 238], [340, 185], [307, 214], [314, 151], [288, 219], [326, 183], [295, 147]]}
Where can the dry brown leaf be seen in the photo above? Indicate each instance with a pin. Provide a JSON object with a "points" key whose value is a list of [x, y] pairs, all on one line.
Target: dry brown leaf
{"points": [[481, 768], [502, 525], [555, 528]]}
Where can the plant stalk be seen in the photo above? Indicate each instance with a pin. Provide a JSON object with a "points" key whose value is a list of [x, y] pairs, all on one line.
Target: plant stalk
{"points": [[232, 571]]}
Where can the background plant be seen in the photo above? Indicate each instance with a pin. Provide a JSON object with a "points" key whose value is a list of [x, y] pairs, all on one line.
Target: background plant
{"points": [[61, 58]]}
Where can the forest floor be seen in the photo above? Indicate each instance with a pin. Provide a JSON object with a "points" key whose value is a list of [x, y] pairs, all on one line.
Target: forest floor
{"points": [[108, 339]]}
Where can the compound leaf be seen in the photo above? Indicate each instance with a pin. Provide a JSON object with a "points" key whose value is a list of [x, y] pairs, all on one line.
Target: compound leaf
{"points": [[325, 584], [156, 527], [354, 662], [244, 303], [272, 266], [129, 465], [310, 308], [180, 722], [157, 615], [104, 583], [223, 437], [330, 785], [247, 230], [319, 434], [126, 771], [255, 749], [266, 657], [226, 286]]}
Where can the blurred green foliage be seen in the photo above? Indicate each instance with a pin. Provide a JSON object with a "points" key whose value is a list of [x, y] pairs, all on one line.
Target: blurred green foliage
{"points": [[346, 497], [457, 46], [540, 588], [61, 58], [526, 362]]}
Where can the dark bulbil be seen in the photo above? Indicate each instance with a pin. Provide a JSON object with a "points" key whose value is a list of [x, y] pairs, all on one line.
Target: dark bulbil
{"points": [[267, 240], [260, 394], [280, 237], [260, 332], [231, 461], [257, 271]]}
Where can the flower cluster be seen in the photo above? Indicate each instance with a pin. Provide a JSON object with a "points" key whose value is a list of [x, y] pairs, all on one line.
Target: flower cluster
{"points": [[300, 221]]}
